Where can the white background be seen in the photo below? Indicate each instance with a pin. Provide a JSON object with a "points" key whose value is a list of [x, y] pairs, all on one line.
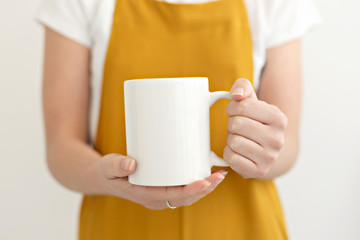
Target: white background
{"points": [[321, 196]]}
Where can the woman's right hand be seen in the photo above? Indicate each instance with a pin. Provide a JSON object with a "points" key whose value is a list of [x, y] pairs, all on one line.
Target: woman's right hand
{"points": [[115, 169]]}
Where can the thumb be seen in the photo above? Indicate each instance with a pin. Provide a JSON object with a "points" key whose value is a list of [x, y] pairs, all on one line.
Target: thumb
{"points": [[241, 89], [117, 165]]}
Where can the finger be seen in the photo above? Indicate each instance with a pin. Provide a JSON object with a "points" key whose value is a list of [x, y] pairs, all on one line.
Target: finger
{"points": [[243, 165], [155, 197], [193, 189], [257, 110], [249, 128], [241, 89], [117, 165], [167, 193], [246, 148], [215, 179], [162, 194]]}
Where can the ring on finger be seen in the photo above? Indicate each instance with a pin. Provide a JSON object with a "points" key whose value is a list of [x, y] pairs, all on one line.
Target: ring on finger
{"points": [[169, 205]]}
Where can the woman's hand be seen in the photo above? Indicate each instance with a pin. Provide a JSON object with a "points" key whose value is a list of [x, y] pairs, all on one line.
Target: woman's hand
{"points": [[114, 169], [255, 132]]}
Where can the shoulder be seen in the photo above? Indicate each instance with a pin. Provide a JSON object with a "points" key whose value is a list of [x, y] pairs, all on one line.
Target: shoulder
{"points": [[278, 21], [71, 18], [273, 5], [272, 9], [80, 10]]}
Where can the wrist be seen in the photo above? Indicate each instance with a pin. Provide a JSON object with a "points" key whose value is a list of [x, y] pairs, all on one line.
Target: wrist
{"points": [[96, 181], [286, 159]]}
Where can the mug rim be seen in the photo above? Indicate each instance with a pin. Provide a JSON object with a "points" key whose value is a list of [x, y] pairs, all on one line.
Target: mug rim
{"points": [[166, 79]]}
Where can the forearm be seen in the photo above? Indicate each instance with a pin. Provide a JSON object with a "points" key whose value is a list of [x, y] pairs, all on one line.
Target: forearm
{"points": [[281, 85], [286, 159], [75, 165]]}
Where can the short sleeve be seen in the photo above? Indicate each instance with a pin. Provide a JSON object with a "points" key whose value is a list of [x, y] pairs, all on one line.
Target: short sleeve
{"points": [[289, 20], [67, 17]]}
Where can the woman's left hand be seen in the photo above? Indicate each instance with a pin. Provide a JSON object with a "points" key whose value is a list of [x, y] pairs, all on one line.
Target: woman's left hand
{"points": [[255, 132]]}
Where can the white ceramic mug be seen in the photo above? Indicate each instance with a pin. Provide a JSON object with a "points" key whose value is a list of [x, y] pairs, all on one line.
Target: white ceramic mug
{"points": [[168, 130]]}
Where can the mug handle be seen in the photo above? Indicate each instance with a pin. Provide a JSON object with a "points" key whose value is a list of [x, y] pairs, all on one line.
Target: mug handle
{"points": [[215, 160]]}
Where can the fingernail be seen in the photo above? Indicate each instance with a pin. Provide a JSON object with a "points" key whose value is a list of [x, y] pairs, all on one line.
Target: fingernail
{"points": [[225, 173], [132, 163], [219, 179], [127, 164], [238, 91], [206, 186]]}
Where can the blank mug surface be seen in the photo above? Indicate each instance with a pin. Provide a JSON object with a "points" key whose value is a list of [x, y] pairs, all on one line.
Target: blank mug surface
{"points": [[167, 130]]}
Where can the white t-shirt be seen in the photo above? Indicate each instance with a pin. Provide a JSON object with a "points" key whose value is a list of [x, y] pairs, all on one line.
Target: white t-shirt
{"points": [[272, 23]]}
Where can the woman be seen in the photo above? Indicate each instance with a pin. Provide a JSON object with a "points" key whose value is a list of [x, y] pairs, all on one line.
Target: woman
{"points": [[93, 46]]}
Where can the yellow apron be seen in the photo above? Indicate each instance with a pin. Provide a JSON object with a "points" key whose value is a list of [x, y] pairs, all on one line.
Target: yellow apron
{"points": [[153, 39]]}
